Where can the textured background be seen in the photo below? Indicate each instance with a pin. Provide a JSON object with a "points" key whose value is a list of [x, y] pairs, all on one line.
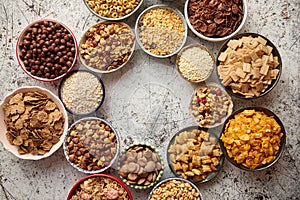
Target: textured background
{"points": [[147, 101]]}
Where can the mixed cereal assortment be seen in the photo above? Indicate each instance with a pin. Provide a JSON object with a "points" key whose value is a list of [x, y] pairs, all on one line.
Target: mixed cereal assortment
{"points": [[33, 121], [140, 166], [47, 49], [176, 188], [91, 145], [195, 63], [210, 105], [107, 46], [194, 154], [252, 138], [161, 30], [113, 8], [215, 18], [248, 65], [100, 188], [81, 92]]}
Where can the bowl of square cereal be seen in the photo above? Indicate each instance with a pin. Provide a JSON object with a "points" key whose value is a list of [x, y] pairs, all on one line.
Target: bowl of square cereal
{"points": [[161, 31], [249, 65], [195, 63], [107, 46], [210, 105], [194, 153], [99, 186], [91, 145], [140, 166], [113, 9], [33, 122], [175, 188], [253, 138], [215, 20], [82, 92]]}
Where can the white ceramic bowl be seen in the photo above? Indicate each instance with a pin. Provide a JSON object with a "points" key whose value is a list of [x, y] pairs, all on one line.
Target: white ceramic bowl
{"points": [[216, 39], [14, 149], [111, 18]]}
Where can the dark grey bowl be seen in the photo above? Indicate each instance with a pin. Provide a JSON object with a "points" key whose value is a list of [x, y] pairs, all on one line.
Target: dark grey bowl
{"points": [[282, 141], [212, 174], [275, 52]]}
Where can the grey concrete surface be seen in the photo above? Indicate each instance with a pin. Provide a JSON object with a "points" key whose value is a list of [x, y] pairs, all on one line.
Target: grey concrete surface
{"points": [[147, 101]]}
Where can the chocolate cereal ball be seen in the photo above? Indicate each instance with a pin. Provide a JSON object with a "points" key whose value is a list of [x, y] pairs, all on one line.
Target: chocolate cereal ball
{"points": [[47, 50]]}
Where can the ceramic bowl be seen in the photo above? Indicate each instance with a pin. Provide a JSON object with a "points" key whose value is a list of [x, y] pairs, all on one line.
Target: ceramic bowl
{"points": [[91, 145], [155, 35], [3, 128], [107, 46], [256, 138], [105, 183], [214, 38], [274, 52], [180, 145], [40, 60], [74, 85]]}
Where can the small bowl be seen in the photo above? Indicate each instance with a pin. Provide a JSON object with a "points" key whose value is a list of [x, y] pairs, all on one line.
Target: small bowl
{"points": [[76, 86], [180, 147], [275, 52], [110, 182], [215, 38], [48, 52], [202, 109], [200, 62], [140, 166], [91, 145], [256, 109], [100, 50], [3, 127], [175, 185], [101, 13], [158, 35]]}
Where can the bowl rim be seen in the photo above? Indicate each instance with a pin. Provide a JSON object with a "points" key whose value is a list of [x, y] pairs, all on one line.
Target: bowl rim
{"points": [[230, 108], [282, 140], [79, 71], [203, 47], [12, 148], [114, 19], [274, 51], [20, 61], [179, 179], [212, 39], [112, 161], [164, 6], [83, 39], [159, 174], [211, 175], [78, 182]]}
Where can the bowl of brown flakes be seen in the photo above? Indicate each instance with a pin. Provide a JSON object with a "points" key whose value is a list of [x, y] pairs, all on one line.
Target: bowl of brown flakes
{"points": [[33, 122], [99, 186], [249, 65]]}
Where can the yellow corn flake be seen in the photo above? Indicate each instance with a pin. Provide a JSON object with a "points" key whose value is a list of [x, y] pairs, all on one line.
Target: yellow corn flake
{"points": [[252, 138]]}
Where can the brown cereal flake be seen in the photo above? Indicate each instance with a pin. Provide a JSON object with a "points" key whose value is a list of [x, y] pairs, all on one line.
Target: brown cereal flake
{"points": [[27, 117]]}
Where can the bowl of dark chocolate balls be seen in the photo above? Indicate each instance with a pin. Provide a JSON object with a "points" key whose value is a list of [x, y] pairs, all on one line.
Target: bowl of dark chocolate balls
{"points": [[47, 50]]}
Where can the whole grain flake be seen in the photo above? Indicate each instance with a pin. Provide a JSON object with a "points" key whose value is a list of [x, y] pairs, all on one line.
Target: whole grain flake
{"points": [[82, 92]]}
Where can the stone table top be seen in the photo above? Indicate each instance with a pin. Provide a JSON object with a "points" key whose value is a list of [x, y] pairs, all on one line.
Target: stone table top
{"points": [[147, 101]]}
